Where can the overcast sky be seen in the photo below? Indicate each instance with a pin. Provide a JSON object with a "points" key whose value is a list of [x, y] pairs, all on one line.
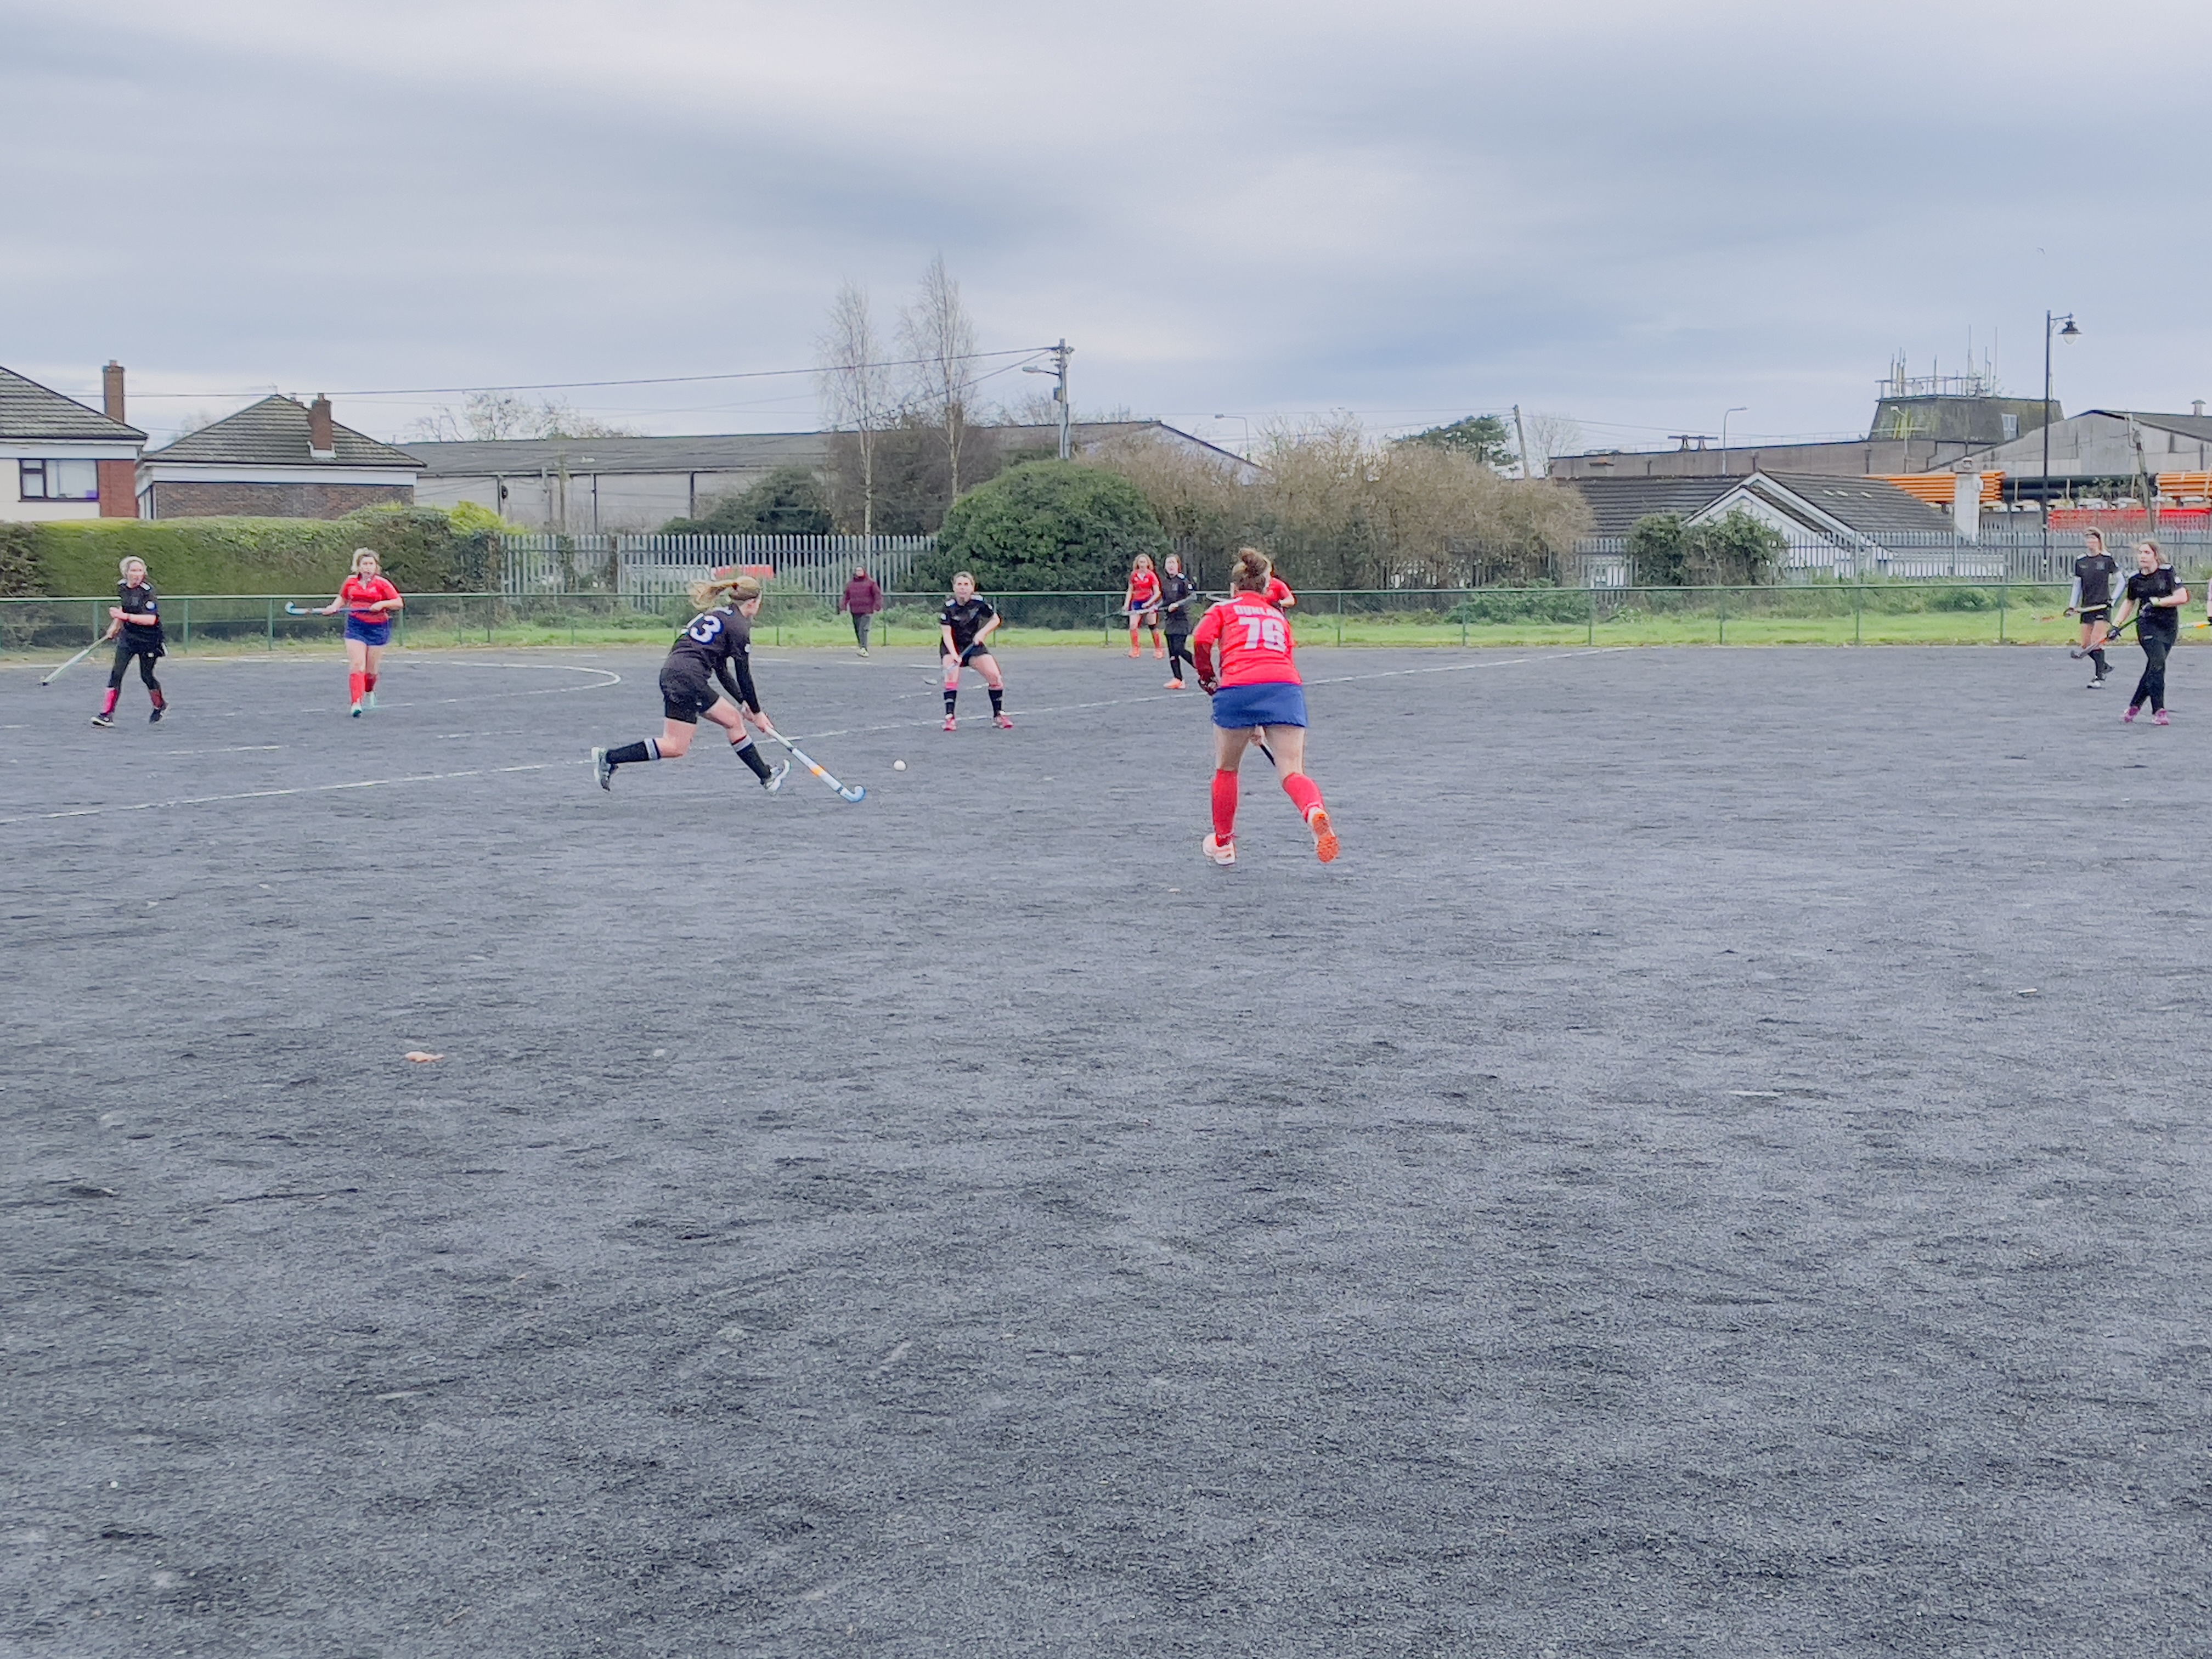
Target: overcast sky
{"points": [[1635, 215]]}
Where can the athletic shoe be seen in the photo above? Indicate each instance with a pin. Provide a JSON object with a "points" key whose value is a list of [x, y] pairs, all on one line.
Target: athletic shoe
{"points": [[1159, 654], [154, 719], [2159, 719], [1175, 685], [1002, 722], [369, 699], [776, 775], [864, 653], [2127, 717], [103, 719], [602, 769], [1325, 842], [356, 711], [1134, 652], [2096, 683], [951, 724], [1218, 852]]}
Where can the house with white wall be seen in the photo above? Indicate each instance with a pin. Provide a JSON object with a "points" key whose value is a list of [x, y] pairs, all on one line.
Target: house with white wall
{"points": [[61, 459]]}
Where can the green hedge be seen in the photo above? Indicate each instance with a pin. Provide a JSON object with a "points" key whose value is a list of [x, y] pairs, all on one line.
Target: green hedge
{"points": [[423, 550]]}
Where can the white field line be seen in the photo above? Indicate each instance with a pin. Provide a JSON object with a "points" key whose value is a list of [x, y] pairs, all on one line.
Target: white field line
{"points": [[302, 789]]}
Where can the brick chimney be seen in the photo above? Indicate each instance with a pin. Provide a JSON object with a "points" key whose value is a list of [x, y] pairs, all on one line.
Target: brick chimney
{"points": [[110, 391], [319, 441]]}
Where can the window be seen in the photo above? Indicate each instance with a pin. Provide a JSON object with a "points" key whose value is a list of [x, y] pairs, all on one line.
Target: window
{"points": [[2011, 426], [60, 481]]}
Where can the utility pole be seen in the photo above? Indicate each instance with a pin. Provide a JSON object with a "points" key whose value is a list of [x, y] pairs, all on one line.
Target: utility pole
{"points": [[1060, 355], [1521, 437]]}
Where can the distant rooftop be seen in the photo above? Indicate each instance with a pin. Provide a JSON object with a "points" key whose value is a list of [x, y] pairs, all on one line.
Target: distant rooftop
{"points": [[28, 410], [274, 432]]}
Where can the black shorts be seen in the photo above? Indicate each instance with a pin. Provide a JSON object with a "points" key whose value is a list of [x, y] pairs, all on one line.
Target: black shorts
{"points": [[687, 690], [2096, 613], [139, 642], [969, 654]]}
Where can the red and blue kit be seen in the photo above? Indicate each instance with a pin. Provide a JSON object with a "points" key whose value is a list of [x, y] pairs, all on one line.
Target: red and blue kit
{"points": [[1143, 589], [358, 593], [1256, 669]]}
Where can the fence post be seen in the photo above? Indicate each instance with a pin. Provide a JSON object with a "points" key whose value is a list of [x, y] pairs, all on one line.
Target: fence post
{"points": [[1591, 639], [1339, 615], [1858, 611], [272, 624], [2001, 610], [188, 625], [1723, 602]]}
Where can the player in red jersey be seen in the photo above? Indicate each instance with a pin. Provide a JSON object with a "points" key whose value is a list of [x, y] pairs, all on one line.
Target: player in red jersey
{"points": [[1256, 690], [1142, 603], [368, 601]]}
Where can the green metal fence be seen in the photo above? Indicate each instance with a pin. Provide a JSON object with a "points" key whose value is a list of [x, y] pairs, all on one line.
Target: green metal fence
{"points": [[1861, 611]]}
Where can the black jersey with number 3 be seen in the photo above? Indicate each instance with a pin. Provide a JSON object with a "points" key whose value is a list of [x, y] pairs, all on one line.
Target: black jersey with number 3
{"points": [[966, 618], [718, 641], [2095, 571]]}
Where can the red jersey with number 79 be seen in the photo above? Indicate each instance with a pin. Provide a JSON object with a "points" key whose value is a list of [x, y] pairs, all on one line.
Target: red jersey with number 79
{"points": [[1254, 641]]}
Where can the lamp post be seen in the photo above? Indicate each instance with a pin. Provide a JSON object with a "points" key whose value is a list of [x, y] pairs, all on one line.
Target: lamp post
{"points": [[1247, 431], [1740, 409], [2069, 332]]}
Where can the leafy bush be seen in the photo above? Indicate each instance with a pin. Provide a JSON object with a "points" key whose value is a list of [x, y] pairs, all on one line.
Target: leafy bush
{"points": [[1961, 598], [422, 549], [19, 562], [789, 502], [1047, 526], [1537, 605], [1658, 543], [1737, 550]]}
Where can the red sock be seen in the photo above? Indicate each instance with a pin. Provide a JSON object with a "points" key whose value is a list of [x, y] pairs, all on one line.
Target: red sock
{"points": [[368, 682], [1303, 791], [114, 692], [1225, 806], [353, 686]]}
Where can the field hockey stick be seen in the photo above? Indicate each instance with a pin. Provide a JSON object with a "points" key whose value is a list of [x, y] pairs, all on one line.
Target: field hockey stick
{"points": [[291, 610], [74, 661], [853, 792]]}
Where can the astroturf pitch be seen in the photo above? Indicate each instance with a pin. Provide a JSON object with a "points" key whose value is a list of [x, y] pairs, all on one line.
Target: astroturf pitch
{"points": [[1719, 1166]]}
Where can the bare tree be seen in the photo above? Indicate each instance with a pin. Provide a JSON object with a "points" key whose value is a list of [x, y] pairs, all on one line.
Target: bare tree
{"points": [[853, 386], [498, 414], [937, 332], [1549, 435]]}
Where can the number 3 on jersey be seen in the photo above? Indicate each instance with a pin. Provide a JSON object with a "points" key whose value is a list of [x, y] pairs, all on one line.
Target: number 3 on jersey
{"points": [[1264, 634], [704, 628]]}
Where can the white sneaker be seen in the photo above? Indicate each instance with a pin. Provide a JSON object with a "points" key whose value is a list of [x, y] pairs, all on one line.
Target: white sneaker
{"points": [[776, 775], [1219, 853]]}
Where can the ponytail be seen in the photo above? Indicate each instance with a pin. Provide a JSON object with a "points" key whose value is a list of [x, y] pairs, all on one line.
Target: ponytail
{"points": [[1251, 570]]}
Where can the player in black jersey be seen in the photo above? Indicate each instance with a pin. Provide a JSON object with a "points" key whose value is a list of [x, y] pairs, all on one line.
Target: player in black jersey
{"points": [[135, 625], [2093, 599], [712, 647], [1178, 601], [2157, 593], [966, 627]]}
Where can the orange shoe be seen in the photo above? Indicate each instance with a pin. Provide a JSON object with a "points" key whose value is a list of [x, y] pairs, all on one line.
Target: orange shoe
{"points": [[1160, 652], [1175, 685], [1325, 845], [1134, 652]]}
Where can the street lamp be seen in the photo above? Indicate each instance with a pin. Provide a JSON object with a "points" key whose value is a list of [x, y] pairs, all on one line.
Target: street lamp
{"points": [[2069, 332], [1247, 432], [1740, 409]]}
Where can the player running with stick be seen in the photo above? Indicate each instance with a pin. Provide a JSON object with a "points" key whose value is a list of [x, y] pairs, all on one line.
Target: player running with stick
{"points": [[2093, 600], [964, 628], [2153, 600], [1256, 693], [713, 646], [368, 601], [1142, 603], [1178, 593], [135, 625]]}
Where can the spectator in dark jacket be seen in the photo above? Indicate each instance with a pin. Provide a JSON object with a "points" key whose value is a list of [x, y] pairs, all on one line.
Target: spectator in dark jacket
{"points": [[863, 598]]}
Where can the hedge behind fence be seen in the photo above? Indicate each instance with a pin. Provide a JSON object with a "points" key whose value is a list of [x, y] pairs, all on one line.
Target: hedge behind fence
{"points": [[423, 549]]}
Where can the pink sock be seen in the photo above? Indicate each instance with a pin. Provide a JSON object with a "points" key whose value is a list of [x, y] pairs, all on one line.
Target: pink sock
{"points": [[108, 707], [1225, 806], [1303, 791]]}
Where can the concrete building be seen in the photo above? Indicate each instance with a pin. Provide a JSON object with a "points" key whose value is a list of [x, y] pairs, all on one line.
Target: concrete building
{"points": [[1831, 522], [593, 486], [59, 460], [2106, 455], [277, 458]]}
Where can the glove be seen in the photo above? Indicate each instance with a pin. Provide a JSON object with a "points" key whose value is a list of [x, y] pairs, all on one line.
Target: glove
{"points": [[1209, 686]]}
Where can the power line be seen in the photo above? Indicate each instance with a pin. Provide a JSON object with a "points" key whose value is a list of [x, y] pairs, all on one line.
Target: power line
{"points": [[655, 379]]}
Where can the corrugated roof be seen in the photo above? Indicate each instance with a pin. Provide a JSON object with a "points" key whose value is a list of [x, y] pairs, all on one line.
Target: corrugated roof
{"points": [[2198, 427], [28, 410], [736, 451], [1617, 503], [274, 432], [1873, 507]]}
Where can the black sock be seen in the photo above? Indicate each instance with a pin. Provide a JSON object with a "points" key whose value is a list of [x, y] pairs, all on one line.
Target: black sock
{"points": [[751, 757], [2098, 657], [630, 753], [951, 696], [998, 698]]}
